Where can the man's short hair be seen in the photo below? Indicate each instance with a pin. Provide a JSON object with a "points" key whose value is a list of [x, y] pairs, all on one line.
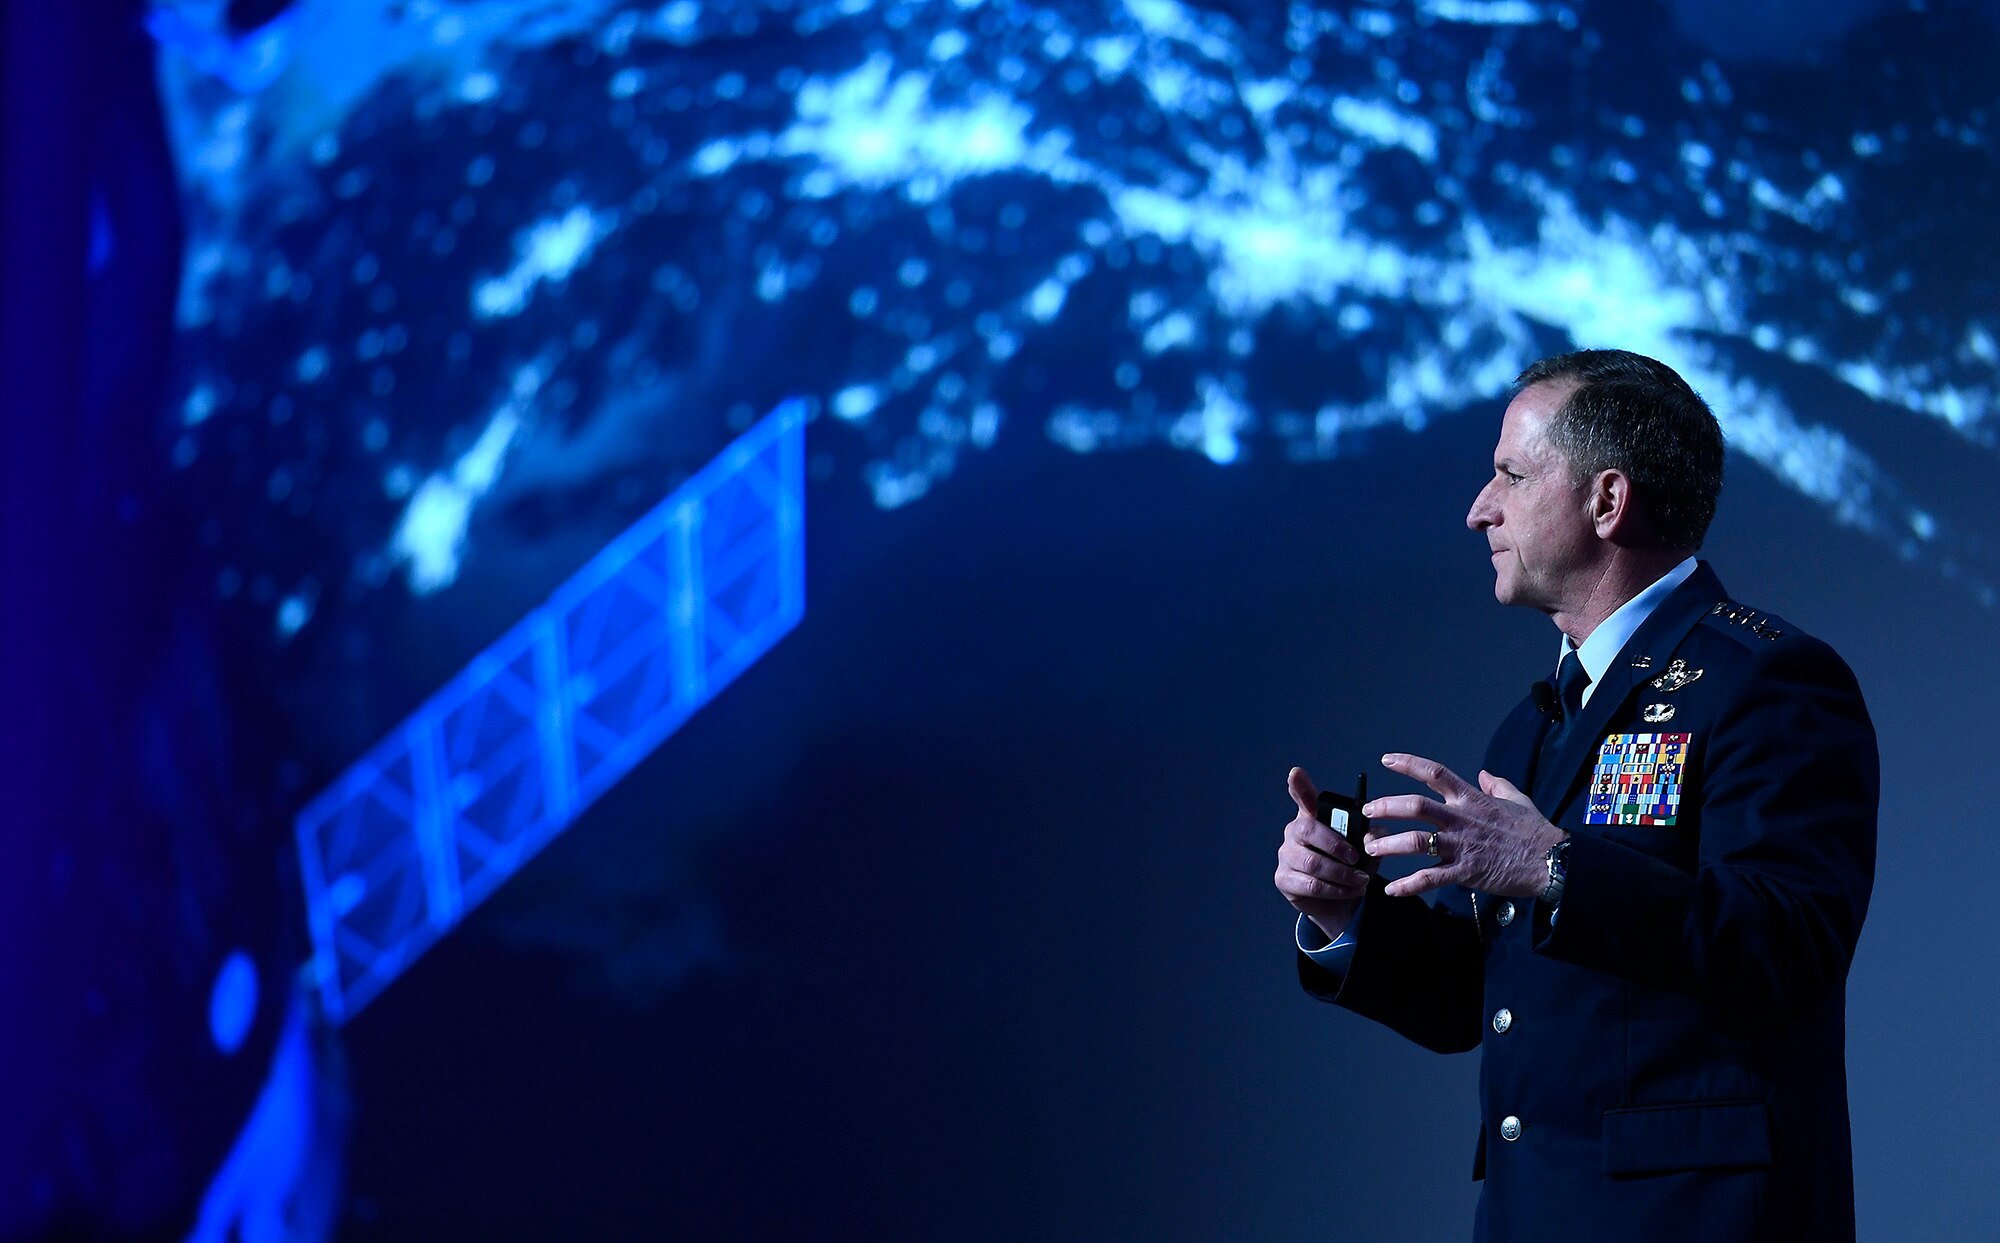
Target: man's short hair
{"points": [[1635, 414]]}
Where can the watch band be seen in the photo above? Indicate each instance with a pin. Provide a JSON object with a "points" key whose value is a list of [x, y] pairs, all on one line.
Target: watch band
{"points": [[1557, 860]]}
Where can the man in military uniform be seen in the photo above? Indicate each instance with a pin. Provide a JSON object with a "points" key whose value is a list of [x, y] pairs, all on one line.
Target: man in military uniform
{"points": [[1644, 909]]}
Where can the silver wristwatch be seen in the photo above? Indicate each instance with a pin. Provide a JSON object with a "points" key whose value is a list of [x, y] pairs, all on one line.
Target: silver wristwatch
{"points": [[1558, 863]]}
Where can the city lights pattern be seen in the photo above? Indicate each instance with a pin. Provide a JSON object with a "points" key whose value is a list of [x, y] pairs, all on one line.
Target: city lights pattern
{"points": [[529, 260]]}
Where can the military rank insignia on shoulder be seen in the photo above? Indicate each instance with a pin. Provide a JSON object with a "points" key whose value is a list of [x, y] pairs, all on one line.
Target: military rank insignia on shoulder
{"points": [[1759, 624], [1638, 779]]}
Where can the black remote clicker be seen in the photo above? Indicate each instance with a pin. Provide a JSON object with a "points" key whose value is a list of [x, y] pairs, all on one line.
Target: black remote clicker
{"points": [[1344, 816]]}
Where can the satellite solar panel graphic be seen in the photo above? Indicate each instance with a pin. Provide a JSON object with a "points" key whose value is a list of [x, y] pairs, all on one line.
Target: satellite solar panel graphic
{"points": [[507, 754]]}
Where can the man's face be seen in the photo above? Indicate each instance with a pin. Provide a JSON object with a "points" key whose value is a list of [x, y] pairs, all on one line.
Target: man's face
{"points": [[1536, 521]]}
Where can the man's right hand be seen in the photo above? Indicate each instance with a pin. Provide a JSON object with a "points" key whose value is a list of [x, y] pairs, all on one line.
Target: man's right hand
{"points": [[1316, 866]]}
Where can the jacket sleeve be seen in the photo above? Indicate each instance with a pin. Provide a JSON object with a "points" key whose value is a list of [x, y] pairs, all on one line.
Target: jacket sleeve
{"points": [[1765, 927], [1417, 968]]}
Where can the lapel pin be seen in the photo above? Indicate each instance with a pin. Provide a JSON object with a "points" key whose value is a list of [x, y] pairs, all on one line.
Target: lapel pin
{"points": [[1657, 714], [1642, 662], [1677, 675]]}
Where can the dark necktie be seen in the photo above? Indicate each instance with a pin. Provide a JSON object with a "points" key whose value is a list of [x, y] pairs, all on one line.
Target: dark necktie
{"points": [[1571, 680]]}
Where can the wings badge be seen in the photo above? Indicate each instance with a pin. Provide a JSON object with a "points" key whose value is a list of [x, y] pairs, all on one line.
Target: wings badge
{"points": [[1677, 675]]}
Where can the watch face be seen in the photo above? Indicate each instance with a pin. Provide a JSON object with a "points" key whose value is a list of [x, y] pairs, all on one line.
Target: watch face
{"points": [[1558, 861]]}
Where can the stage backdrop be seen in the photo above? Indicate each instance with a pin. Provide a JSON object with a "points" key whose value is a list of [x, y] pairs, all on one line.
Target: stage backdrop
{"points": [[1151, 354]]}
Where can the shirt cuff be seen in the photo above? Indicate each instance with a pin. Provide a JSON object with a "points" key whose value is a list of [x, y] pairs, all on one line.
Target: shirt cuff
{"points": [[1332, 955]]}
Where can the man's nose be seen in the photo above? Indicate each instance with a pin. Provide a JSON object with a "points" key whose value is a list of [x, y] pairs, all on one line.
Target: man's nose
{"points": [[1480, 516]]}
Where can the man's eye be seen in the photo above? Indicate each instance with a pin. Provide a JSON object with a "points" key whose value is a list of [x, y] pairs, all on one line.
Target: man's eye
{"points": [[1512, 477]]}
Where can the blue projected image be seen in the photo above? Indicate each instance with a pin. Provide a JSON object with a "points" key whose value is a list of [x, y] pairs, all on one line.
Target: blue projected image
{"points": [[948, 194], [544, 720], [1138, 360]]}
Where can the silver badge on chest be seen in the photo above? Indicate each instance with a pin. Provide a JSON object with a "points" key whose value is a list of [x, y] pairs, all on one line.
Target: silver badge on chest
{"points": [[1677, 675]]}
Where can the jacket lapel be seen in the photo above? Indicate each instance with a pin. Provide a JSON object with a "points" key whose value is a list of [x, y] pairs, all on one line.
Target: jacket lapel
{"points": [[1657, 637], [1516, 744]]}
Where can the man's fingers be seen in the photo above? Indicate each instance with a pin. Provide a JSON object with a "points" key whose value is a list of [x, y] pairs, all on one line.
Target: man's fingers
{"points": [[1416, 843], [1503, 789], [1305, 885], [1418, 882], [1315, 836], [1430, 772], [1312, 863], [1296, 884], [1303, 792], [1407, 807]]}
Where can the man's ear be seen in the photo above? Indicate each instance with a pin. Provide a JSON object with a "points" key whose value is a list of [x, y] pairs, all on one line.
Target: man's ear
{"points": [[1612, 512]]}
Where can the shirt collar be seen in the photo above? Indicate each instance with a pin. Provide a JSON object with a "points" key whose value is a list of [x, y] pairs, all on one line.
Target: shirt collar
{"points": [[1611, 635]]}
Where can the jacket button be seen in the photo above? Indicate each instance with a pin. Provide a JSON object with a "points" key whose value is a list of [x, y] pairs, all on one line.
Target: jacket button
{"points": [[1510, 1128], [1503, 1018], [1506, 913]]}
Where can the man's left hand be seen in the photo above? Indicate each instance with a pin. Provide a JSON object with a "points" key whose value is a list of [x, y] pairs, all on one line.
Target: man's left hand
{"points": [[1489, 837]]}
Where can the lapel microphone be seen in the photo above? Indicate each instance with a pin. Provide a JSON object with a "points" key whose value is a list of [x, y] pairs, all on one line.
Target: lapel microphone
{"points": [[1547, 702]]}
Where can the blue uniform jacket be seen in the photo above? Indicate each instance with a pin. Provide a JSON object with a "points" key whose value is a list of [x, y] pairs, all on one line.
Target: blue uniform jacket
{"points": [[1671, 1063]]}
